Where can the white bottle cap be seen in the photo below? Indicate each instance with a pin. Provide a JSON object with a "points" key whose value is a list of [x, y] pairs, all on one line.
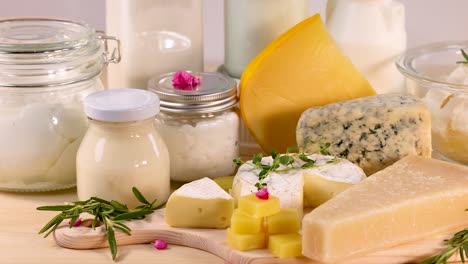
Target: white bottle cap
{"points": [[121, 105]]}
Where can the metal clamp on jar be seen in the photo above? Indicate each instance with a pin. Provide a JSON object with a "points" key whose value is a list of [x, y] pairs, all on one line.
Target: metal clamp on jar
{"points": [[47, 67], [200, 126]]}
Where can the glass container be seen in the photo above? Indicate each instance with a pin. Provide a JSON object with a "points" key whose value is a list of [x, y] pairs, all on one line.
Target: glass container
{"points": [[250, 25], [433, 74], [372, 34], [122, 149], [200, 126], [158, 36], [47, 67]]}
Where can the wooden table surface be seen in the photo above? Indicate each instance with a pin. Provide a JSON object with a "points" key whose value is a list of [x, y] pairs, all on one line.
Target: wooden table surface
{"points": [[20, 243]]}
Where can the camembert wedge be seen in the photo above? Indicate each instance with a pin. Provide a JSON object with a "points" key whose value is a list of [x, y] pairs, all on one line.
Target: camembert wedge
{"points": [[199, 204], [298, 188], [414, 198]]}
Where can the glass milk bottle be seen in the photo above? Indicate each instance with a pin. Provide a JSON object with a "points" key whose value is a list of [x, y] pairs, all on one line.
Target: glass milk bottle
{"points": [[250, 25], [157, 36], [372, 34], [121, 148]]}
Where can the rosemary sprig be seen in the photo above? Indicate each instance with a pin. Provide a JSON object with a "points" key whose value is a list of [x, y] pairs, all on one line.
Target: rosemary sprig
{"points": [[111, 214], [457, 244], [465, 56], [283, 162]]}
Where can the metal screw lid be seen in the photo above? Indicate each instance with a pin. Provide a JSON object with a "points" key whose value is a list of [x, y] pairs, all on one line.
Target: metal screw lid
{"points": [[217, 92]]}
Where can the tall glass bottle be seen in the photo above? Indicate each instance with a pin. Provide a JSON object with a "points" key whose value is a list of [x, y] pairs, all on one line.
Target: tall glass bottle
{"points": [[372, 34], [250, 25], [157, 36]]}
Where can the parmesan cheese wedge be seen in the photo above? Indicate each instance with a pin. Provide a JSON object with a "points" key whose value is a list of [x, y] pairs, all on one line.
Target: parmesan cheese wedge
{"points": [[414, 198]]}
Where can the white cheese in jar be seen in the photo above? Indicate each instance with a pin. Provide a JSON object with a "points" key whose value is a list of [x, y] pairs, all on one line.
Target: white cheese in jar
{"points": [[200, 125], [46, 67], [449, 111], [39, 142], [203, 147]]}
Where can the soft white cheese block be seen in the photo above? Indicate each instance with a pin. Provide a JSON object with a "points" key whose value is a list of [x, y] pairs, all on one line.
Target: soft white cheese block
{"points": [[199, 204], [297, 188], [372, 132]]}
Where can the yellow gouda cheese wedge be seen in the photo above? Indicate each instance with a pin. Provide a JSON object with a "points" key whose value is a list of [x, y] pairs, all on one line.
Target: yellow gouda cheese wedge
{"points": [[302, 68]]}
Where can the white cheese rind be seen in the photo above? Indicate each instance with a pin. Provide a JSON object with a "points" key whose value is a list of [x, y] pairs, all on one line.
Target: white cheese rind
{"points": [[286, 186], [204, 188], [199, 204], [372, 132], [289, 186]]}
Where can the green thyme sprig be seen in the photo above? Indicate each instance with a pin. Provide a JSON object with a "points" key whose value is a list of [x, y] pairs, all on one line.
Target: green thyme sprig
{"points": [[465, 56], [457, 244], [111, 214], [283, 162]]}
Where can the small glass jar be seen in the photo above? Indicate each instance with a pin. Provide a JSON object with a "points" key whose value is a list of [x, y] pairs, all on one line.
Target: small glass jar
{"points": [[200, 126], [47, 67], [121, 148]]}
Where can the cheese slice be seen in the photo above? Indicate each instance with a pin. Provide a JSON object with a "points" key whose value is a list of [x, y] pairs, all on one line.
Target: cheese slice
{"points": [[412, 199], [302, 187], [199, 204]]}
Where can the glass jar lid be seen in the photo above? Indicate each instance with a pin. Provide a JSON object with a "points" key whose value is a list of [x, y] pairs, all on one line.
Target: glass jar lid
{"points": [[216, 92], [121, 105], [42, 35], [37, 52]]}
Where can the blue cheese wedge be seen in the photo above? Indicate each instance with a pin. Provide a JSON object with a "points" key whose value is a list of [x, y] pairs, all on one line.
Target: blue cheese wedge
{"points": [[372, 132], [298, 188], [199, 204]]}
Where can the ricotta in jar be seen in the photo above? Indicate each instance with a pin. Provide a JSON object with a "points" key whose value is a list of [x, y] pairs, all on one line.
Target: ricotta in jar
{"points": [[202, 146], [199, 124]]}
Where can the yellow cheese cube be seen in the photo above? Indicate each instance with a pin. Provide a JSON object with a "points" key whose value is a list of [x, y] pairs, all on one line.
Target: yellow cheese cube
{"points": [[285, 221], [244, 242], [285, 245], [243, 223], [256, 207]]}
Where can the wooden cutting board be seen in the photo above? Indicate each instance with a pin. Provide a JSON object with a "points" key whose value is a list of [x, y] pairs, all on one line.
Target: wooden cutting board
{"points": [[214, 241]]}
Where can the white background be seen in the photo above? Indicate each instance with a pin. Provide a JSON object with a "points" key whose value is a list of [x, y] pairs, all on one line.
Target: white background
{"points": [[427, 20]]}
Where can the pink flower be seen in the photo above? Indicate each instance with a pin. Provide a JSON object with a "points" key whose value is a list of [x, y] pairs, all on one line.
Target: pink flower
{"points": [[263, 194], [77, 222], [185, 81], [160, 244]]}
